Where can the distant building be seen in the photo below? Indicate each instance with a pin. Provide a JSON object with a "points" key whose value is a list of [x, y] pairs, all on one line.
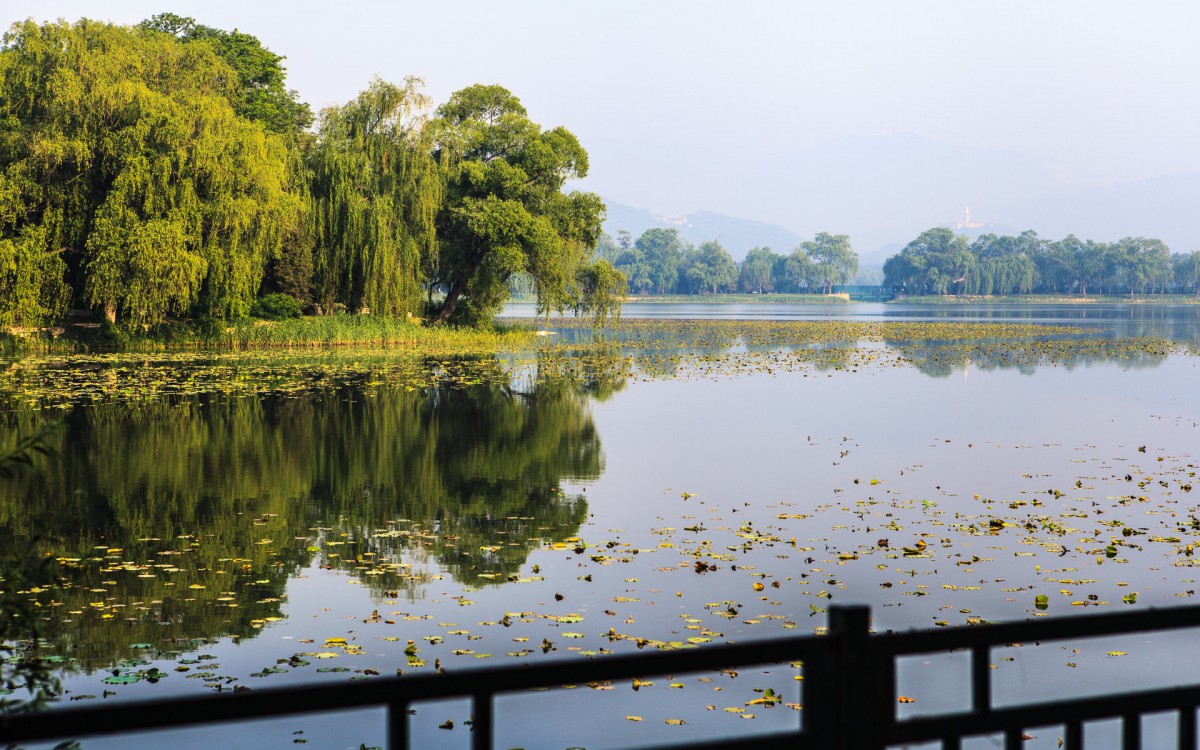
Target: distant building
{"points": [[965, 223]]}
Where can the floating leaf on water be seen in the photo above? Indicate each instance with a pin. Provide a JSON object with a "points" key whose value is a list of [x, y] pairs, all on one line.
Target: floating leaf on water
{"points": [[123, 679]]}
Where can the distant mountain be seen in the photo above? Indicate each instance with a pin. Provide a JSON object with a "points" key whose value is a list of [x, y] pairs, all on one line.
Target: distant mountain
{"points": [[738, 236], [884, 190]]}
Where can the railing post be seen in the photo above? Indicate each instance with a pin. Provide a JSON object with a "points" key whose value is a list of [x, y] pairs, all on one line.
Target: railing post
{"points": [[397, 725], [856, 696], [483, 722]]}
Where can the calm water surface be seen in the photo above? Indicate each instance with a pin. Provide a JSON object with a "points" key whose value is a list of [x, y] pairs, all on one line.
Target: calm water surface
{"points": [[311, 535], [1173, 321]]}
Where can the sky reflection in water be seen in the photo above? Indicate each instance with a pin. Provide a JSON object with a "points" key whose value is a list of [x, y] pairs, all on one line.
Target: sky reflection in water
{"points": [[449, 515]]}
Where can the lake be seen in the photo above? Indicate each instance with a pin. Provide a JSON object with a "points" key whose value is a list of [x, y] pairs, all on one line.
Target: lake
{"points": [[270, 519]]}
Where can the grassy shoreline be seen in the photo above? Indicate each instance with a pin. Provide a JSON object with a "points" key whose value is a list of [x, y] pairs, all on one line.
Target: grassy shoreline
{"points": [[320, 332], [752, 299], [1050, 299], [310, 332]]}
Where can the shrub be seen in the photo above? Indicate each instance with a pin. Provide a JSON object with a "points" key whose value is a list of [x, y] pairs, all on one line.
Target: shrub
{"points": [[276, 307]]}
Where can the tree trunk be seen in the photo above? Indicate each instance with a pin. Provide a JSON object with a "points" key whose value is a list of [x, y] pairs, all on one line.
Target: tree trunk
{"points": [[110, 312], [451, 302]]}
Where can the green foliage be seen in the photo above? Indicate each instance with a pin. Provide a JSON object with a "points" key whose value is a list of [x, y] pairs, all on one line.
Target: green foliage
{"points": [[276, 307], [833, 260], [375, 193], [121, 152], [461, 450], [659, 262], [933, 263], [1186, 269], [31, 274], [607, 248], [163, 172], [794, 272], [652, 263], [505, 211], [27, 450], [707, 268], [938, 262], [261, 93], [22, 668], [1004, 265], [344, 329], [602, 289], [758, 271]]}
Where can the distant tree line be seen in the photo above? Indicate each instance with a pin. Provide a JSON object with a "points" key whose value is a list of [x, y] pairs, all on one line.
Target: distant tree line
{"points": [[165, 170], [942, 262], [660, 262]]}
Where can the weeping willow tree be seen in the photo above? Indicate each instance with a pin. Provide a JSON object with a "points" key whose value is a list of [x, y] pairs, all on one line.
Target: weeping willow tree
{"points": [[121, 154], [375, 195]]}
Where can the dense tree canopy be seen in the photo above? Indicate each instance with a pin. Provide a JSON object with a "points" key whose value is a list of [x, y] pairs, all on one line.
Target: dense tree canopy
{"points": [[1003, 265], [261, 93], [165, 170], [505, 211], [940, 262], [757, 273], [833, 260], [652, 262], [708, 268], [659, 262], [121, 154], [934, 263]]}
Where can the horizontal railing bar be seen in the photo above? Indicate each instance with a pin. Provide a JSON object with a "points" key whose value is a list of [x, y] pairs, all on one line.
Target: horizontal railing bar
{"points": [[771, 741], [1041, 629], [324, 697], [1068, 712]]}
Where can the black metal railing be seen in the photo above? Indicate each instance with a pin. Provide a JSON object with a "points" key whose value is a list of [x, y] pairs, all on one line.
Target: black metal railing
{"points": [[983, 718], [849, 690]]}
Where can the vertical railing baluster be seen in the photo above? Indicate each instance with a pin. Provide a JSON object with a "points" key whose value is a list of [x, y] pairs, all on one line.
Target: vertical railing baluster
{"points": [[1187, 728], [1131, 731], [981, 681], [1012, 739], [1074, 735], [481, 724], [397, 725], [853, 677]]}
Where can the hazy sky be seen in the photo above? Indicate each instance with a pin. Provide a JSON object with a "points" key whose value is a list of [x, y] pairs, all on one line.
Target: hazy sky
{"points": [[690, 105]]}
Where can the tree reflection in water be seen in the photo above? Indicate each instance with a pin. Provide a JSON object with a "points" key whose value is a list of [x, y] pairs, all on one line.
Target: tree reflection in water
{"points": [[180, 520]]}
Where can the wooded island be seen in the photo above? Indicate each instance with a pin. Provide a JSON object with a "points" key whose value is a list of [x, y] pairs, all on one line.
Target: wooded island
{"points": [[166, 170]]}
